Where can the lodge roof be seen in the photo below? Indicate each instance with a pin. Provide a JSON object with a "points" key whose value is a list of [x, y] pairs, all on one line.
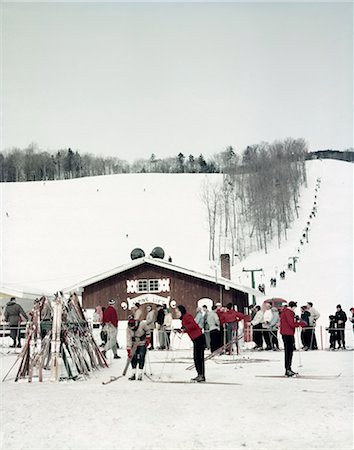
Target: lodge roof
{"points": [[228, 284]]}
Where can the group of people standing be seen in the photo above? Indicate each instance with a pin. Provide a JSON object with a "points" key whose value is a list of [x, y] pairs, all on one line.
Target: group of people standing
{"points": [[265, 321]]}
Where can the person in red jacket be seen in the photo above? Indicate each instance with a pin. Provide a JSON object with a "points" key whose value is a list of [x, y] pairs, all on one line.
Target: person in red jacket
{"points": [[231, 319], [288, 323], [195, 333], [110, 322]]}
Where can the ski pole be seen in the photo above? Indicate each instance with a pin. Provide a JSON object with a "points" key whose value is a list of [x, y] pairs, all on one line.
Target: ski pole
{"points": [[298, 343]]}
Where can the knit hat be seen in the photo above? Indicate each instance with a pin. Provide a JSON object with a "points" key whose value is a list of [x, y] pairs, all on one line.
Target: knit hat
{"points": [[182, 309], [131, 323], [111, 302], [292, 305]]}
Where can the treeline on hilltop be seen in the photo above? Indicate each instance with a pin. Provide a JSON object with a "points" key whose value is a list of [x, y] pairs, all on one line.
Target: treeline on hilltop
{"points": [[257, 199], [33, 164]]}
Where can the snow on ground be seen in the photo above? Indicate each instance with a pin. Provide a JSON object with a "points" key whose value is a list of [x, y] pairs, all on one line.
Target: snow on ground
{"points": [[259, 413], [57, 233]]}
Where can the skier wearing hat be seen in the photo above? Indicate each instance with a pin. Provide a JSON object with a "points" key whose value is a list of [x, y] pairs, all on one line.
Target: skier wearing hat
{"points": [[110, 322], [340, 318], [288, 323], [197, 336], [138, 339]]}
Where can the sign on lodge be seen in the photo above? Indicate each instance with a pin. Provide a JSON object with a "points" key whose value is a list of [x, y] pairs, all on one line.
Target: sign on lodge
{"points": [[148, 280]]}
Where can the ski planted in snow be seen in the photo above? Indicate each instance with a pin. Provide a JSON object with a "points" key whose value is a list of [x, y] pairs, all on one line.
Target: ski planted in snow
{"points": [[305, 377]]}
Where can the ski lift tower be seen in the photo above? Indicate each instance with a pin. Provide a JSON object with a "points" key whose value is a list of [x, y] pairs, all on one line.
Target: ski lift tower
{"points": [[252, 278]]}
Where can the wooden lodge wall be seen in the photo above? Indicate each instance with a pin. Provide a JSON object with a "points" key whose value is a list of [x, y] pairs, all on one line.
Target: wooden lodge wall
{"points": [[183, 289]]}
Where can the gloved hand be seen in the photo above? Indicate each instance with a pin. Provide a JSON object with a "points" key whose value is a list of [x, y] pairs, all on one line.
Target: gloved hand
{"points": [[147, 341], [129, 351]]}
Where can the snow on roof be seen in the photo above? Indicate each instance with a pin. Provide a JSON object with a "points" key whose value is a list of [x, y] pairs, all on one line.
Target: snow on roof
{"points": [[167, 265], [22, 292]]}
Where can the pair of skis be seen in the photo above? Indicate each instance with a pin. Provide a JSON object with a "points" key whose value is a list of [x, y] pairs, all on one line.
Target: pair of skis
{"points": [[225, 383], [219, 350], [303, 377]]}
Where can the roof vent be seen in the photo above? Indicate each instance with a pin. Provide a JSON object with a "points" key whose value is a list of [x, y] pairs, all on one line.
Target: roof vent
{"points": [[137, 253], [158, 252]]}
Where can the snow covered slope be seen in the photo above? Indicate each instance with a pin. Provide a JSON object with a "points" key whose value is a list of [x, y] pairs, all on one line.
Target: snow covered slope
{"points": [[56, 233]]}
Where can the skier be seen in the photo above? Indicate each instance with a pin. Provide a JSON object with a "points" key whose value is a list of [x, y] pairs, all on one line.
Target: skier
{"points": [[206, 327], [138, 337], [306, 333], [214, 329], [110, 321], [199, 318], [13, 313], [288, 323], [159, 325], [341, 318], [256, 322], [137, 311], [314, 316], [167, 327], [273, 327], [197, 337], [333, 336], [150, 321], [231, 318], [267, 318]]}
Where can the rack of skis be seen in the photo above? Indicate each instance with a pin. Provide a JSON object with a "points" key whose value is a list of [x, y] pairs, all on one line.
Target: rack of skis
{"points": [[63, 345]]}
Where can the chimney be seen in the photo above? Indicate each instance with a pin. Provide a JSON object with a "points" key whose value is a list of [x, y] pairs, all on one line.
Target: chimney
{"points": [[225, 266]]}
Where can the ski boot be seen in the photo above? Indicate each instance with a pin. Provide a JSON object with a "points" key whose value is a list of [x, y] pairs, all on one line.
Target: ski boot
{"points": [[198, 379], [132, 378], [290, 373]]}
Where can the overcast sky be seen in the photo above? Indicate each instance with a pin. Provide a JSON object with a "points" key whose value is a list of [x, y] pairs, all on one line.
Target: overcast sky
{"points": [[140, 78]]}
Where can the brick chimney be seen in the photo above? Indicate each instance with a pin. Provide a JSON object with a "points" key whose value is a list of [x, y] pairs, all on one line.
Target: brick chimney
{"points": [[225, 266]]}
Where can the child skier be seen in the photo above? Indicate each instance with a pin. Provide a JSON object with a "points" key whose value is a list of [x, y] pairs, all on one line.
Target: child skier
{"points": [[138, 339]]}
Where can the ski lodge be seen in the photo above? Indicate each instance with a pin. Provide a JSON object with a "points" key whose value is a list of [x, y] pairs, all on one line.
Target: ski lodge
{"points": [[152, 280]]}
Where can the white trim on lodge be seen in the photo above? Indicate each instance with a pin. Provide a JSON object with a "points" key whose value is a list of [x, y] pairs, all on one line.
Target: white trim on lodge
{"points": [[79, 287]]}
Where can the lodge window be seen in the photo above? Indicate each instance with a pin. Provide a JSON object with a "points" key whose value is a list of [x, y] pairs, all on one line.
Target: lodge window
{"points": [[148, 286], [154, 286]]}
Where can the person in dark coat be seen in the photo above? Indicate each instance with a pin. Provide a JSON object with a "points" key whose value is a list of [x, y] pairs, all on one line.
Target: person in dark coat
{"points": [[159, 321], [195, 333], [306, 332], [13, 313], [288, 323], [340, 318], [333, 335]]}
